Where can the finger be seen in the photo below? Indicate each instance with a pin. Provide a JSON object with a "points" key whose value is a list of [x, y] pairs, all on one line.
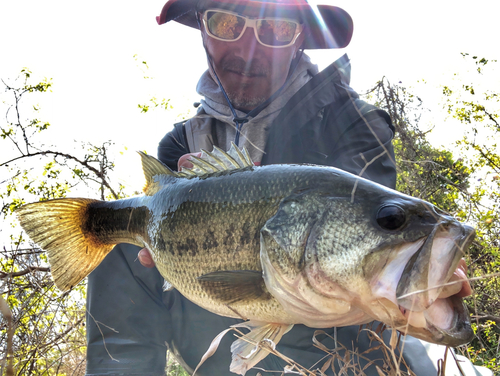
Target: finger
{"points": [[184, 161], [461, 273], [145, 258]]}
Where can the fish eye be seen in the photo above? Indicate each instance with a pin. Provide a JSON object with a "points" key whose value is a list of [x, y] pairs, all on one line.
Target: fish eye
{"points": [[391, 217]]}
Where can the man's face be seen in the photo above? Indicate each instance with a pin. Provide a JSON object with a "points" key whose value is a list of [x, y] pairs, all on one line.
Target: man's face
{"points": [[249, 72]]}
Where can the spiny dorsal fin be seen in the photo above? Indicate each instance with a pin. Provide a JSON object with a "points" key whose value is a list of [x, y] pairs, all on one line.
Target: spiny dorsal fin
{"points": [[153, 167], [208, 163], [219, 160]]}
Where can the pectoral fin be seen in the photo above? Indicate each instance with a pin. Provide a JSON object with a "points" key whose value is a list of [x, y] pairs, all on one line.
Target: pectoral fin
{"points": [[232, 286], [167, 286]]}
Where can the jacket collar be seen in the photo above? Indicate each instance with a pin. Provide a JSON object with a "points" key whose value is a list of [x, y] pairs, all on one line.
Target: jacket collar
{"points": [[323, 89]]}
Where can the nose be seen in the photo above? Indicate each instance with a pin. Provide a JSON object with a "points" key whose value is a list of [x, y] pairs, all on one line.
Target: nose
{"points": [[247, 46]]}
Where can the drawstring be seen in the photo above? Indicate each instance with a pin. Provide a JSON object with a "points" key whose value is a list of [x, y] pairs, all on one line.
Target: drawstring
{"points": [[239, 121]]}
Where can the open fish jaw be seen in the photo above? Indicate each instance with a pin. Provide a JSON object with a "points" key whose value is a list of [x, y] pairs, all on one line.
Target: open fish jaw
{"points": [[446, 318], [421, 310]]}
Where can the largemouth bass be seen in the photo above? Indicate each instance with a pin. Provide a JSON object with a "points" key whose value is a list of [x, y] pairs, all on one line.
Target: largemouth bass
{"points": [[277, 245]]}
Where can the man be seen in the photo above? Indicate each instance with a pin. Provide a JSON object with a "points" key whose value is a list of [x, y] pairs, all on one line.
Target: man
{"points": [[263, 93]]}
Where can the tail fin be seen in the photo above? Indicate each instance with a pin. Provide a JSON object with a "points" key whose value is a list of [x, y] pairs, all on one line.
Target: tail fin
{"points": [[58, 227]]}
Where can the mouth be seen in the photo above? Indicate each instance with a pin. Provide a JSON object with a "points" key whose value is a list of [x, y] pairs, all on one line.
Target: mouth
{"points": [[243, 69], [445, 322], [431, 288], [447, 317], [458, 284], [246, 74]]}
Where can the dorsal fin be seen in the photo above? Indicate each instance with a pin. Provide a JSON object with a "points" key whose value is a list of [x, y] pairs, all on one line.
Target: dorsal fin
{"points": [[218, 160], [208, 163], [153, 167]]}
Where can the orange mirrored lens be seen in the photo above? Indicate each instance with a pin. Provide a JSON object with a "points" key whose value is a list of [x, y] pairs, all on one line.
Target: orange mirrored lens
{"points": [[271, 32]]}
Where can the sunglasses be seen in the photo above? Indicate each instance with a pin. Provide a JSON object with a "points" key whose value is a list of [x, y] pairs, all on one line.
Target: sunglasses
{"points": [[270, 32]]}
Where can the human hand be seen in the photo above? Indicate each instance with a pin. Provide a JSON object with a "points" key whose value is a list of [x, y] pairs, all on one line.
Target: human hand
{"points": [[461, 275], [184, 161], [145, 258], [461, 288]]}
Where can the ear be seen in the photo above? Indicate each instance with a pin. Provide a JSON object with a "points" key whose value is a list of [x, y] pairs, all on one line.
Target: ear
{"points": [[299, 42], [202, 29]]}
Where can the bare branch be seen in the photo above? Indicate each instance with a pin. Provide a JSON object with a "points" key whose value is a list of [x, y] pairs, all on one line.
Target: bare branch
{"points": [[24, 272], [85, 163]]}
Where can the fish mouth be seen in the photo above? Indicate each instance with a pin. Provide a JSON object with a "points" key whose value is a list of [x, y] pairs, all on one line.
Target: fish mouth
{"points": [[430, 290], [445, 322]]}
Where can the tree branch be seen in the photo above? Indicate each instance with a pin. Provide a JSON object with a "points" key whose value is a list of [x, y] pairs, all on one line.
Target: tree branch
{"points": [[67, 156], [484, 318], [24, 272]]}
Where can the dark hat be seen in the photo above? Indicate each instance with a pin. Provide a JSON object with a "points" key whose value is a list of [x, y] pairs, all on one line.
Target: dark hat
{"points": [[328, 26]]}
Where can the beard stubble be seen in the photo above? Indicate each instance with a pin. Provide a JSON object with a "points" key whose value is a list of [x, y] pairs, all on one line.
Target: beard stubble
{"points": [[242, 96]]}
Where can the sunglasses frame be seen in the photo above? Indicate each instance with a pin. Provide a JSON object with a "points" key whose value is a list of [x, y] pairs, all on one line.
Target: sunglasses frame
{"points": [[251, 22]]}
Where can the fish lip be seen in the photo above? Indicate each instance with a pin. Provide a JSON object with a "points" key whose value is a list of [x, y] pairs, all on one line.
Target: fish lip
{"points": [[405, 292], [460, 331]]}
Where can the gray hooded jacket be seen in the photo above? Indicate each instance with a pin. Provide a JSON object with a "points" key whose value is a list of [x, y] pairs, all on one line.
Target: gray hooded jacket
{"points": [[324, 123]]}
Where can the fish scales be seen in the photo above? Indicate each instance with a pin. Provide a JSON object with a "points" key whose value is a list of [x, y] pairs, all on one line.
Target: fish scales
{"points": [[278, 245], [202, 236]]}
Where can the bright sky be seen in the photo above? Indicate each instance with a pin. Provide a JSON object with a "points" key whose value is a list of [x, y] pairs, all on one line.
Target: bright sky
{"points": [[88, 49]]}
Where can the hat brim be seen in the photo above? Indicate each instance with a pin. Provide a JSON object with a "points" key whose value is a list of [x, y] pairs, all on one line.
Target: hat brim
{"points": [[327, 26]]}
